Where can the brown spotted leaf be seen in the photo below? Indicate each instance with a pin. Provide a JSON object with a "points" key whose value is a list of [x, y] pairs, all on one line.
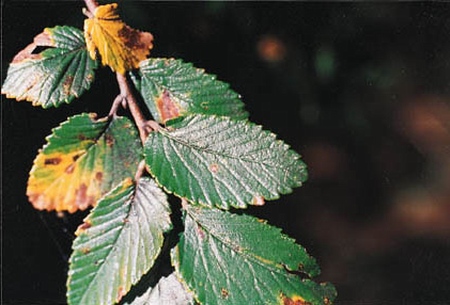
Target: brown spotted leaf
{"points": [[83, 159], [228, 259], [58, 74], [119, 46]]}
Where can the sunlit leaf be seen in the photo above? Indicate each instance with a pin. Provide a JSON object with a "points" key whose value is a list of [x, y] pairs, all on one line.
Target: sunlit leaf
{"points": [[56, 75], [221, 162], [117, 243], [168, 291], [83, 159], [172, 88], [119, 46], [238, 259]]}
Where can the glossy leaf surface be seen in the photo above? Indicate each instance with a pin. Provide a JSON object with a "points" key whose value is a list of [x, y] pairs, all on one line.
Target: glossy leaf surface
{"points": [[83, 159], [56, 75], [237, 259], [168, 291], [216, 161], [119, 46], [118, 243], [172, 88]]}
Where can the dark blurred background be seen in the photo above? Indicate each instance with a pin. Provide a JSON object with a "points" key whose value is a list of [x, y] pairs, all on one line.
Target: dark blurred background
{"points": [[361, 90]]}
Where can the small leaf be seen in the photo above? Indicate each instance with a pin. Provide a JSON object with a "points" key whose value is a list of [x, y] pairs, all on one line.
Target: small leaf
{"points": [[172, 88], [216, 161], [57, 75], [120, 46], [168, 291], [238, 259], [118, 243], [84, 159]]}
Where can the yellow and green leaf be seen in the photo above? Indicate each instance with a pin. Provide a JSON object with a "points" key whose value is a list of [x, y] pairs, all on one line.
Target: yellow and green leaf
{"points": [[58, 74], [119, 46], [83, 159]]}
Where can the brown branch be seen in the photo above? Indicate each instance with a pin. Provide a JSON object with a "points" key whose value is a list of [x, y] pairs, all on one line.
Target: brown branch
{"points": [[91, 5], [126, 96]]}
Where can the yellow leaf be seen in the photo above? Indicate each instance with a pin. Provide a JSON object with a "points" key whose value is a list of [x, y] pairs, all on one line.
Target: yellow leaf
{"points": [[119, 46]]}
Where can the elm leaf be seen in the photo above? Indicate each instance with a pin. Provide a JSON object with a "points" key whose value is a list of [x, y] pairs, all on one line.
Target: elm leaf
{"points": [[172, 88], [217, 161], [118, 243], [226, 258], [168, 291], [119, 46], [84, 158], [56, 75]]}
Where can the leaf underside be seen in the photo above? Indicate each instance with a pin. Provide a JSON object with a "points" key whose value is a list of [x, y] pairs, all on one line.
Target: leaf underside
{"points": [[83, 159], [119, 46], [217, 161], [118, 243], [57, 75], [168, 291], [172, 88], [230, 259]]}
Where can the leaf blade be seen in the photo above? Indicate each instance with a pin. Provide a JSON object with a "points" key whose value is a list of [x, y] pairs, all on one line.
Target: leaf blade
{"points": [[224, 259], [118, 243], [172, 88], [56, 75], [119, 46], [168, 291], [75, 168], [216, 161]]}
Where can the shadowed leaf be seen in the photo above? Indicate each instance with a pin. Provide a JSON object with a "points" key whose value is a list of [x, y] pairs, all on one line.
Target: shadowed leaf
{"points": [[119, 46], [83, 159], [57, 75], [118, 243], [168, 291], [238, 259]]}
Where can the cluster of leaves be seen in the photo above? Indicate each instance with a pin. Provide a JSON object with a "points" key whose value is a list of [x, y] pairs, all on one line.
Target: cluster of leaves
{"points": [[200, 147]]}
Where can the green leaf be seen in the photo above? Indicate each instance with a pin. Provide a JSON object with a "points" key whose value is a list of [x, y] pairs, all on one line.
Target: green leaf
{"points": [[57, 75], [238, 259], [172, 88], [84, 159], [168, 291], [217, 161], [118, 243]]}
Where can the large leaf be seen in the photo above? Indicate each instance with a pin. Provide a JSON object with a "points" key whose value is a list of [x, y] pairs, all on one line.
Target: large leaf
{"points": [[118, 243], [168, 291], [120, 46], [172, 88], [216, 161], [238, 259], [54, 76], [83, 159]]}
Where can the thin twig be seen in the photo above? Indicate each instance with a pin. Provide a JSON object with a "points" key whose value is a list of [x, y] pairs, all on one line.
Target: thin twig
{"points": [[144, 126], [91, 5]]}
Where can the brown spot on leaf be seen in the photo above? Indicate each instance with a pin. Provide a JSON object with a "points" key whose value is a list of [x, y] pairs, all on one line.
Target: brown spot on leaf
{"points": [[52, 161], [167, 107], [295, 300], [225, 293], [135, 39], [214, 168], [109, 140], [120, 293], [69, 169], [67, 84], [99, 176], [258, 200], [200, 232], [85, 250], [75, 157], [81, 195]]}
